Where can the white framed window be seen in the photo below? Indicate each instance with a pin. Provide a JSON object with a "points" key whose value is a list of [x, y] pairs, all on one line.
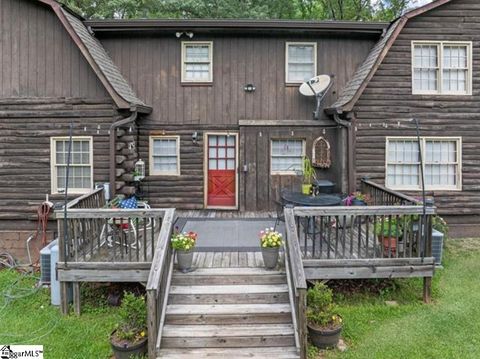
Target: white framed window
{"points": [[286, 156], [165, 155], [197, 61], [300, 61], [441, 67], [442, 158], [80, 179]]}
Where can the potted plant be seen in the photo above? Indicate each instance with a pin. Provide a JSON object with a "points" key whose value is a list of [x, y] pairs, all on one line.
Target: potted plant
{"points": [[130, 336], [270, 242], [324, 324], [308, 174], [388, 231], [184, 244], [356, 199]]}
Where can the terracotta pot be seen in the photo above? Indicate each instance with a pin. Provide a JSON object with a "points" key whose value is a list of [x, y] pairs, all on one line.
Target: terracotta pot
{"points": [[127, 350], [185, 259], [389, 245], [270, 257], [324, 338]]}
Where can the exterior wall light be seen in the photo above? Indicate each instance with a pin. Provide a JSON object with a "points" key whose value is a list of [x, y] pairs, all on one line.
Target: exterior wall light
{"points": [[249, 88]]}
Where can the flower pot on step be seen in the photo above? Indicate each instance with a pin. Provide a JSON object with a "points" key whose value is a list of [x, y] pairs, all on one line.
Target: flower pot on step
{"points": [[324, 337], [389, 245], [270, 257], [184, 259]]}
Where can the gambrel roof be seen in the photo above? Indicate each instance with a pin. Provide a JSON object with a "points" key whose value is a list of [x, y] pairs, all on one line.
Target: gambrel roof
{"points": [[101, 63], [352, 91]]}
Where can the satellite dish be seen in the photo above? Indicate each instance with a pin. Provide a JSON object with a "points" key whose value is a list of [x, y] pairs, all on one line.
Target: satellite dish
{"points": [[315, 85]]}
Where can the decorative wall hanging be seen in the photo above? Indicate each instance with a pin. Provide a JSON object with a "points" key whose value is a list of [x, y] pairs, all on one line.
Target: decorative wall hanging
{"points": [[321, 153]]}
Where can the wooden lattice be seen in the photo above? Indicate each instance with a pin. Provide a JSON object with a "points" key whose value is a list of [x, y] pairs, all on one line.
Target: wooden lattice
{"points": [[321, 153]]}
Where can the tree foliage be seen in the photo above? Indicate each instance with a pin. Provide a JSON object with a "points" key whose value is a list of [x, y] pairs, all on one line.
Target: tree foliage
{"points": [[358, 10]]}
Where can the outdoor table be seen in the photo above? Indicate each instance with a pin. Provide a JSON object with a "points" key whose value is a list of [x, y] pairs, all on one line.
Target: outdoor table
{"points": [[300, 199]]}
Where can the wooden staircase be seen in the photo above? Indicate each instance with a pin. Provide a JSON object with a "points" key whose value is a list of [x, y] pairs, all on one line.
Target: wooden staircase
{"points": [[228, 313]]}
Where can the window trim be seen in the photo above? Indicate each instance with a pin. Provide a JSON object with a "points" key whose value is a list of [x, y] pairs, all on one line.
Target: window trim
{"points": [[440, 45], [53, 165], [289, 43], [291, 172], [184, 45], [152, 171], [423, 140]]}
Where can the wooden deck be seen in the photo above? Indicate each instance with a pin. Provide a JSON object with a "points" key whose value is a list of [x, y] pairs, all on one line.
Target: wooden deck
{"points": [[227, 260]]}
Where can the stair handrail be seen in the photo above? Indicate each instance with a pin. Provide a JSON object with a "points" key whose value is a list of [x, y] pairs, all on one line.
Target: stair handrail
{"points": [[158, 283], [296, 281]]}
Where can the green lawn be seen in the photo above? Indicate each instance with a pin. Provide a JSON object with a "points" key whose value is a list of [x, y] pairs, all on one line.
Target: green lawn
{"points": [[447, 328], [32, 320]]}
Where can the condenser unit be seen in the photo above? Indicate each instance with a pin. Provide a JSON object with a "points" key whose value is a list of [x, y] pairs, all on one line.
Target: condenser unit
{"points": [[45, 263]]}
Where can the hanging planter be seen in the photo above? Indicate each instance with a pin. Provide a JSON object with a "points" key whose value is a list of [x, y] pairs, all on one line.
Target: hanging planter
{"points": [[321, 156]]}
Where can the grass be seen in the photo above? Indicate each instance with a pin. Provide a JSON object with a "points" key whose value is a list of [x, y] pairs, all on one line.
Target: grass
{"points": [[447, 328], [31, 319]]}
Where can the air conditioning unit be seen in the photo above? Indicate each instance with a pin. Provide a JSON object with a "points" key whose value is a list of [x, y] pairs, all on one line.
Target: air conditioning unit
{"points": [[45, 263]]}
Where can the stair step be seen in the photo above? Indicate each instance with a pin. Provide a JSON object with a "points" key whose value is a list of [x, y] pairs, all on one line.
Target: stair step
{"points": [[229, 276], [195, 336], [233, 353], [228, 314], [229, 294]]}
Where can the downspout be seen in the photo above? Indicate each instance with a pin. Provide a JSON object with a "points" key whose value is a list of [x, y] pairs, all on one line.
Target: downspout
{"points": [[113, 149], [351, 185]]}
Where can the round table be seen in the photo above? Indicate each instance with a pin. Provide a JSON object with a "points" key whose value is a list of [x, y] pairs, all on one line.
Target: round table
{"points": [[300, 199]]}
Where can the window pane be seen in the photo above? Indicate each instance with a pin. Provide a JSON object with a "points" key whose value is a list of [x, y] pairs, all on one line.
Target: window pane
{"points": [[164, 156], [403, 163], [197, 53], [441, 165], [425, 73], [301, 62], [197, 62], [286, 155]]}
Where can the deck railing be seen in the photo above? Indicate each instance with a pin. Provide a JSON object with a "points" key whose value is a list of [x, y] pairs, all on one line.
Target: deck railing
{"points": [[159, 283], [379, 195], [94, 199], [296, 282]]}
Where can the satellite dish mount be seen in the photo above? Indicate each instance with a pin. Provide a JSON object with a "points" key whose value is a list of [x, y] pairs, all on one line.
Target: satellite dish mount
{"points": [[317, 86]]}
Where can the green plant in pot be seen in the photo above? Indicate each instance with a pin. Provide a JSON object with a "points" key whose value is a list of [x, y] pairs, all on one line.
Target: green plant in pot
{"points": [[308, 175], [184, 244], [130, 336], [270, 242], [323, 322], [389, 230]]}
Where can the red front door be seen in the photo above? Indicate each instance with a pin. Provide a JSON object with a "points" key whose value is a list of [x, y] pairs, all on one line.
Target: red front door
{"points": [[221, 161]]}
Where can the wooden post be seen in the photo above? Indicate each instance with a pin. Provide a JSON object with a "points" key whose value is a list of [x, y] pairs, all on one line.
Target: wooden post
{"points": [[152, 322], [302, 322], [427, 290], [76, 298]]}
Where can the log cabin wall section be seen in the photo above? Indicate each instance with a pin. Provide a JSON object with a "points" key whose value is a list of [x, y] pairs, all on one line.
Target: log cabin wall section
{"points": [[388, 98], [45, 82]]}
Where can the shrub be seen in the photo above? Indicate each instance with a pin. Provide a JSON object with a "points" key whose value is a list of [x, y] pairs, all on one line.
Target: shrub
{"points": [[321, 310], [389, 227], [133, 318]]}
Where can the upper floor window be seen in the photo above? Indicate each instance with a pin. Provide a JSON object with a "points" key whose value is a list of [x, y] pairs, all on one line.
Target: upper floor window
{"points": [[80, 178], [165, 155], [441, 157], [301, 61], [287, 156], [197, 61], [442, 68]]}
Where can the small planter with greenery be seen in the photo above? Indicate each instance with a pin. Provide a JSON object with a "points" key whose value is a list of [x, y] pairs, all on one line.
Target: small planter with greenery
{"points": [[130, 336], [270, 242], [388, 232], [356, 199], [184, 244], [323, 322], [308, 175]]}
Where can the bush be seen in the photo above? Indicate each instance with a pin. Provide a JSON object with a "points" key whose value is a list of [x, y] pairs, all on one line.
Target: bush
{"points": [[389, 228], [133, 318], [321, 310]]}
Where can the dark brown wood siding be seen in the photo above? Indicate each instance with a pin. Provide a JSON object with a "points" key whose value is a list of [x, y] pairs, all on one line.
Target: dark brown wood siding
{"points": [[388, 98], [38, 58], [26, 126], [153, 65]]}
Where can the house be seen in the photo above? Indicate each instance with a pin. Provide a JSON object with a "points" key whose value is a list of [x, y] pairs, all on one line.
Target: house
{"points": [[213, 107]]}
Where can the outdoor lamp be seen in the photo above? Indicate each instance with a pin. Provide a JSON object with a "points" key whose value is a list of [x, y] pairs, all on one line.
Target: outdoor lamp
{"points": [[139, 170]]}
